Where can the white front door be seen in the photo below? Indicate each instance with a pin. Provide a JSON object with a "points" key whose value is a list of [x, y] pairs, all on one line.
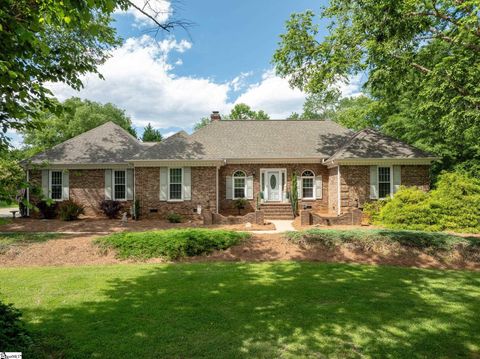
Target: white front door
{"points": [[274, 186]]}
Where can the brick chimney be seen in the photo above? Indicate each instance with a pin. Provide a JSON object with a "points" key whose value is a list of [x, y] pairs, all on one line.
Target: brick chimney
{"points": [[215, 116]]}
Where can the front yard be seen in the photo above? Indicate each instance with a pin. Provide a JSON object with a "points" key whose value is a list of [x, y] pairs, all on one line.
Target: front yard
{"points": [[270, 310]]}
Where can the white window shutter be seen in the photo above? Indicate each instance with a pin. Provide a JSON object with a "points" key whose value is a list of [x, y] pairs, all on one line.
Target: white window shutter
{"points": [[397, 178], [65, 186], [373, 182], [163, 183], [129, 184], [250, 187], [229, 188], [46, 183], [108, 184], [318, 187], [299, 188], [187, 183]]}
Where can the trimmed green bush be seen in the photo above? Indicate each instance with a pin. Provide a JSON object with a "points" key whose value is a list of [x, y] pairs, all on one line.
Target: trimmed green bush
{"points": [[454, 205], [171, 244], [367, 239], [70, 210], [173, 217], [13, 335]]}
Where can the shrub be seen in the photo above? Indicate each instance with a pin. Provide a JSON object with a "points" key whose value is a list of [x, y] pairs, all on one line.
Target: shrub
{"points": [[173, 217], [454, 205], [111, 208], [372, 209], [239, 204], [48, 209], [171, 244], [136, 209], [70, 210], [294, 195], [13, 335]]}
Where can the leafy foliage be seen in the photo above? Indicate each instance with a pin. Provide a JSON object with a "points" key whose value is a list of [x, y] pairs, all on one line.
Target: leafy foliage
{"points": [[74, 117], [48, 209], [294, 195], [54, 41], [171, 244], [173, 217], [111, 208], [239, 204], [422, 59], [369, 239], [454, 205], [240, 111], [70, 210], [151, 135], [13, 335]]}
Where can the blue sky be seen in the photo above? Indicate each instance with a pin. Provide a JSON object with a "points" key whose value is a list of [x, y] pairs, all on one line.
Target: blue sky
{"points": [[175, 79]]}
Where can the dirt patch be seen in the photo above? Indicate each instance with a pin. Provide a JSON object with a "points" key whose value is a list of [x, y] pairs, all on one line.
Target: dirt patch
{"points": [[274, 247], [93, 225]]}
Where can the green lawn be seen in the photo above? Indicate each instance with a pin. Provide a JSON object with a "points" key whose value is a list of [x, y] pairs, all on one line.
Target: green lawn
{"points": [[220, 310]]}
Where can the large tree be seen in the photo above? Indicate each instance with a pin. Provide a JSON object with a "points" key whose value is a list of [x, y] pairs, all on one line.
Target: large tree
{"points": [[151, 134], [240, 111], [422, 59], [54, 41], [75, 116]]}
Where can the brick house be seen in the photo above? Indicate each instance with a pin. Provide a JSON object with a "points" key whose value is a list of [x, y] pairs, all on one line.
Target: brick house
{"points": [[337, 170]]}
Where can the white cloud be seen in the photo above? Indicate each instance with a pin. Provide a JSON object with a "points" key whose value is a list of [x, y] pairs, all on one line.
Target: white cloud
{"points": [[138, 79], [160, 10], [352, 87], [240, 82], [273, 95]]}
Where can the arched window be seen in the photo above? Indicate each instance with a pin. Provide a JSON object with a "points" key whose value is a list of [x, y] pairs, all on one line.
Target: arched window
{"points": [[239, 184], [308, 185]]}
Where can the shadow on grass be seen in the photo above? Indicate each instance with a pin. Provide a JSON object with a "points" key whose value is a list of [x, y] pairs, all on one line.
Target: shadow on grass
{"points": [[266, 310]]}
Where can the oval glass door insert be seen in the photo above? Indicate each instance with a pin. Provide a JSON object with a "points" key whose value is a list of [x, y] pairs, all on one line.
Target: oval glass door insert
{"points": [[273, 181]]}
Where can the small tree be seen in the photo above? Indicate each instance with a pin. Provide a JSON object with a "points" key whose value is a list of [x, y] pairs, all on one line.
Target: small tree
{"points": [[240, 204], [294, 195], [151, 135]]}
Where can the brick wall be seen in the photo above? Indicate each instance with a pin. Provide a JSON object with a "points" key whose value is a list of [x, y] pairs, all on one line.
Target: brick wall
{"points": [[416, 176], [226, 206], [332, 190], [147, 181]]}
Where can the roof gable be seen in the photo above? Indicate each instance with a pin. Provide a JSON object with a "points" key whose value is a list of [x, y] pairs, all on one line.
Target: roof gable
{"points": [[108, 143]]}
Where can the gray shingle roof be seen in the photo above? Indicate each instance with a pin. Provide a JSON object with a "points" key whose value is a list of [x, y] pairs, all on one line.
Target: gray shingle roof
{"points": [[253, 139], [373, 144], [108, 143]]}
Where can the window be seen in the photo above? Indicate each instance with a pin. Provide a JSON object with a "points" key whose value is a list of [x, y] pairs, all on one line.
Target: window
{"points": [[384, 182], [119, 185], [56, 185], [308, 180], [239, 184], [175, 184]]}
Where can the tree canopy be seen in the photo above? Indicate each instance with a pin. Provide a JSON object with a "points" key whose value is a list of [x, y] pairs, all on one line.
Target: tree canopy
{"points": [[54, 41], [151, 134], [75, 116], [422, 59], [240, 111]]}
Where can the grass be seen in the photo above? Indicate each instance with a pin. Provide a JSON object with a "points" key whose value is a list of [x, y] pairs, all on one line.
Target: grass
{"points": [[4, 221], [8, 239], [368, 238], [4, 204], [268, 310], [170, 244]]}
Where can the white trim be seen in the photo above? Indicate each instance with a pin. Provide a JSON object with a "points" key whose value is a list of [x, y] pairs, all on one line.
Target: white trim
{"points": [[283, 189], [273, 160], [168, 185], [86, 166], [339, 199], [176, 163], [245, 184], [391, 181], [134, 195], [314, 188], [113, 185]]}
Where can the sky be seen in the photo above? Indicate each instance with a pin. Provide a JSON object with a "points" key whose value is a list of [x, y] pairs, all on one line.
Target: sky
{"points": [[173, 80]]}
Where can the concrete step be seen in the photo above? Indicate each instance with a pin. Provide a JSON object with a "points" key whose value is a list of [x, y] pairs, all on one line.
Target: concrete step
{"points": [[279, 217]]}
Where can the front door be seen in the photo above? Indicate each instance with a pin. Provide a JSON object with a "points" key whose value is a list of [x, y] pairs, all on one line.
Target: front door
{"points": [[273, 183]]}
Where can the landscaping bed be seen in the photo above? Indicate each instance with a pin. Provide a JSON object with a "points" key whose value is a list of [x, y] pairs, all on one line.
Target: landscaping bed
{"points": [[170, 244]]}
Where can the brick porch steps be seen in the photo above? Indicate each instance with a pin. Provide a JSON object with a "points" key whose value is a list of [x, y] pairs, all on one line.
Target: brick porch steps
{"points": [[277, 210]]}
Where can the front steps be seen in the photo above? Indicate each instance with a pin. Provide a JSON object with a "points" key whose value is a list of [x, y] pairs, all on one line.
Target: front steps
{"points": [[277, 210]]}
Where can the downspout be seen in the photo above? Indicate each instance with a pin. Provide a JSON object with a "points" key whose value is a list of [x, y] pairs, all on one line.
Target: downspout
{"points": [[134, 194], [28, 192], [338, 191], [217, 191]]}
